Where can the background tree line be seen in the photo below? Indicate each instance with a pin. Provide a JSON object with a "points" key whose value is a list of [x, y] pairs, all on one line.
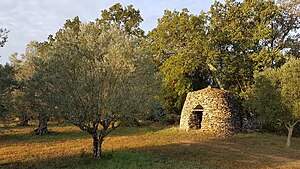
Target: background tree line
{"points": [[223, 47]]}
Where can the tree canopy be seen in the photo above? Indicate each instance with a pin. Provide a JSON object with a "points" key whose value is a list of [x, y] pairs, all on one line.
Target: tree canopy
{"points": [[223, 47]]}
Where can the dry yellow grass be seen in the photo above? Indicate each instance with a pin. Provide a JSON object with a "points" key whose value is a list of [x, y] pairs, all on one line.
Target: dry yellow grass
{"points": [[168, 146]]}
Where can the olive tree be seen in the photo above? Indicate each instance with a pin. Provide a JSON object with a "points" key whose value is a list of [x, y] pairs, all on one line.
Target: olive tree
{"points": [[275, 96], [290, 93], [7, 84], [28, 97], [20, 106], [96, 75]]}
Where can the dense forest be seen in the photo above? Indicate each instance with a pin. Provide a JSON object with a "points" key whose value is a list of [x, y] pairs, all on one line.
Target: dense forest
{"points": [[100, 74]]}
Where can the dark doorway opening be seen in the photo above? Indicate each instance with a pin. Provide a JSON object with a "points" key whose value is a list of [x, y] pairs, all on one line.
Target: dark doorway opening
{"points": [[196, 117]]}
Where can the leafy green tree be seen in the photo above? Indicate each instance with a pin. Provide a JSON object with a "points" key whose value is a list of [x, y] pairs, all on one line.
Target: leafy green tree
{"points": [[275, 95], [175, 44], [290, 93], [97, 75], [126, 18], [244, 37]]}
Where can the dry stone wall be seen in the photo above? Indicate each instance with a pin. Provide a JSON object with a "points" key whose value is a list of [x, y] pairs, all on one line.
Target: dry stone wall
{"points": [[220, 111]]}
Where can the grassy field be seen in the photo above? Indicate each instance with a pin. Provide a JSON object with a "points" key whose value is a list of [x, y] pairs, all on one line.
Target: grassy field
{"points": [[145, 147]]}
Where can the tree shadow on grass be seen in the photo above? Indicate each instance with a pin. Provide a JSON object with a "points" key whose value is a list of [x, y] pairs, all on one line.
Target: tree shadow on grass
{"points": [[214, 153], [13, 138], [131, 159], [130, 131], [8, 139], [218, 154]]}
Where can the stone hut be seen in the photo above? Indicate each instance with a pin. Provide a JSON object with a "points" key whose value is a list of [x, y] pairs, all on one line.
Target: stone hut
{"points": [[211, 110]]}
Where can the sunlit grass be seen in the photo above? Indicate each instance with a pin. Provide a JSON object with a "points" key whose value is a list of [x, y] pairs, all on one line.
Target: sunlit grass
{"points": [[145, 147]]}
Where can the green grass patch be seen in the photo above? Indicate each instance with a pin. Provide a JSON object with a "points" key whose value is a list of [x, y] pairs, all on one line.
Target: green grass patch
{"points": [[145, 147]]}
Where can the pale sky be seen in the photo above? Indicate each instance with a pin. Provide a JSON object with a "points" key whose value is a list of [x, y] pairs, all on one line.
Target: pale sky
{"points": [[30, 20]]}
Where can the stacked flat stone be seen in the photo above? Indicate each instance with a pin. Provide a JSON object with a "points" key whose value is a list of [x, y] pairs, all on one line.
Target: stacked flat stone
{"points": [[220, 111]]}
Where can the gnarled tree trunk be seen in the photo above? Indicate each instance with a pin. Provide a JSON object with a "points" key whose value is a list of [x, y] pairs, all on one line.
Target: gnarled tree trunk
{"points": [[95, 145], [24, 120], [98, 138], [100, 141], [43, 126]]}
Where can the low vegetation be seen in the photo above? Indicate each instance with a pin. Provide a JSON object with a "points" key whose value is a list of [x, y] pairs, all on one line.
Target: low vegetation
{"points": [[144, 147], [276, 97]]}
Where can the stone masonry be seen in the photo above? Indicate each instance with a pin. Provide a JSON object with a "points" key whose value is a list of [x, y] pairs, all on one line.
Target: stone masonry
{"points": [[218, 109]]}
